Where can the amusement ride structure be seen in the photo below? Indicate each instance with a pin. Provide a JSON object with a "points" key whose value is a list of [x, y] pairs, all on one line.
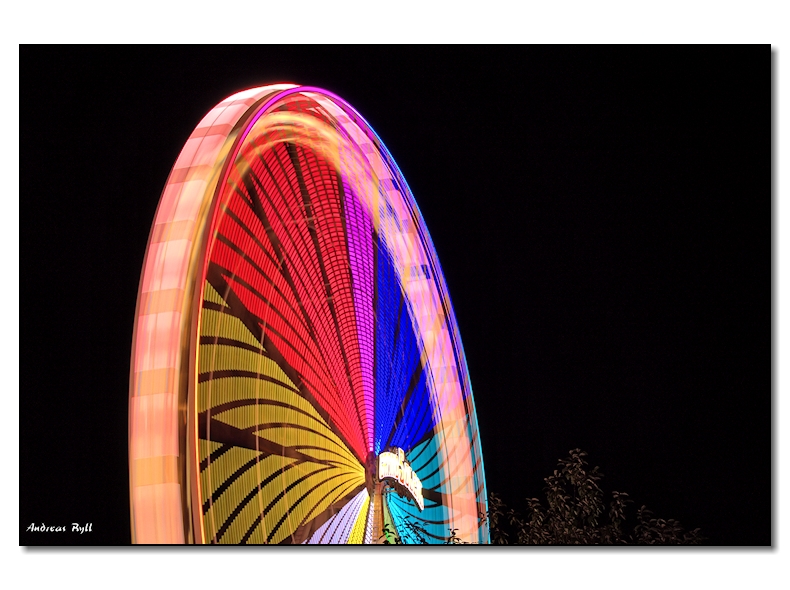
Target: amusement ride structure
{"points": [[297, 375]]}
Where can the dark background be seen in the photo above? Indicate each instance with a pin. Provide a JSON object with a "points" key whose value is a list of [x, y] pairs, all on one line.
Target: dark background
{"points": [[602, 216]]}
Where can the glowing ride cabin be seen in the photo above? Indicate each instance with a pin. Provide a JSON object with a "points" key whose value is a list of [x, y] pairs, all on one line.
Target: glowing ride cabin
{"points": [[394, 468]]}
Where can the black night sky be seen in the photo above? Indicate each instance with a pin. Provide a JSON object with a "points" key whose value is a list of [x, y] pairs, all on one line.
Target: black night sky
{"points": [[602, 216]]}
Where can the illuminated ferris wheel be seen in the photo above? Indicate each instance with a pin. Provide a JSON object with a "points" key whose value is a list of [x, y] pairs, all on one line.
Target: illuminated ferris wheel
{"points": [[297, 374]]}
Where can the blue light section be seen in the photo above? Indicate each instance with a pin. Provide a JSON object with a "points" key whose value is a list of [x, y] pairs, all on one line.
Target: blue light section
{"points": [[433, 521], [417, 419], [424, 460], [431, 524], [397, 363]]}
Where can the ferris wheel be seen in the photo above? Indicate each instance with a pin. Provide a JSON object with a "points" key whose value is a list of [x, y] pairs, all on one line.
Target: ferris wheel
{"points": [[297, 374]]}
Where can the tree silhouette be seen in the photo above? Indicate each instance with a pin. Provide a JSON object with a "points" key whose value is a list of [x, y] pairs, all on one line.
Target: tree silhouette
{"points": [[575, 514]]}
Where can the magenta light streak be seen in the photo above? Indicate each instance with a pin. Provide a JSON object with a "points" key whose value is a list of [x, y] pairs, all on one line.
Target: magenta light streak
{"points": [[360, 253]]}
